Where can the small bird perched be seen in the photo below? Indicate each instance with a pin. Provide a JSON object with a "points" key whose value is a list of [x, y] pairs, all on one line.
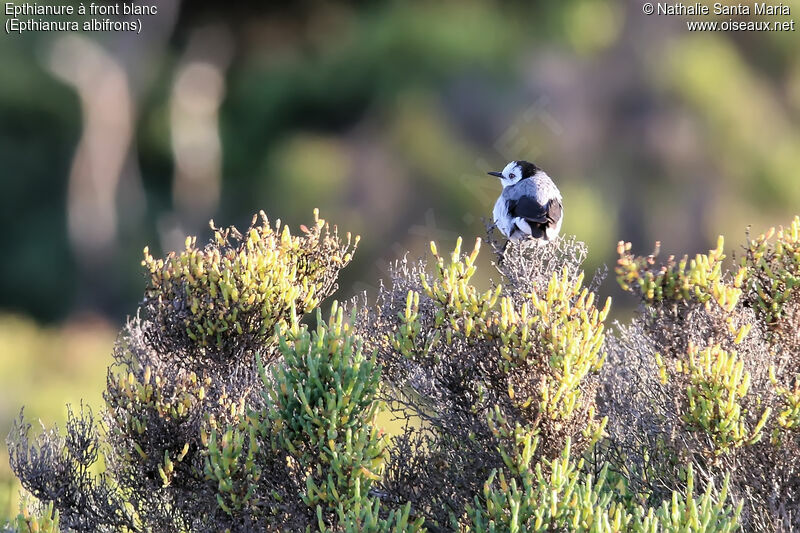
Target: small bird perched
{"points": [[530, 204]]}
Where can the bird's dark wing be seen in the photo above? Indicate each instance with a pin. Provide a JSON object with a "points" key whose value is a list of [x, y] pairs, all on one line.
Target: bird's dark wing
{"points": [[553, 211], [529, 209]]}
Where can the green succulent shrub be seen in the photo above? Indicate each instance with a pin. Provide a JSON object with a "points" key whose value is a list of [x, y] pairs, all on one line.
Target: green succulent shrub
{"points": [[715, 385], [499, 388], [230, 295], [773, 280], [705, 376], [773, 271], [189, 438], [527, 349], [523, 411], [323, 412], [46, 521], [559, 495]]}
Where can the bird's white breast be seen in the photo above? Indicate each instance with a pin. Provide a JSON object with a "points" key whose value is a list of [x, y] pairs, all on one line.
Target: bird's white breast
{"points": [[501, 217]]}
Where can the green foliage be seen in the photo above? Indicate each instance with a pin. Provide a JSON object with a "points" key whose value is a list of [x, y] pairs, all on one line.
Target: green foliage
{"points": [[773, 269], [190, 443], [549, 340], [280, 431], [132, 400], [789, 415], [324, 404], [231, 463], [708, 378], [365, 515], [558, 495], [45, 521], [688, 514], [547, 496], [715, 383], [541, 496], [700, 279], [466, 365], [240, 286], [460, 305], [712, 382], [571, 330]]}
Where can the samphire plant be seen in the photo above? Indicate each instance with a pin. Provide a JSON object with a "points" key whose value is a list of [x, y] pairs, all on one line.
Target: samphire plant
{"points": [[457, 360], [192, 436], [225, 411], [706, 375]]}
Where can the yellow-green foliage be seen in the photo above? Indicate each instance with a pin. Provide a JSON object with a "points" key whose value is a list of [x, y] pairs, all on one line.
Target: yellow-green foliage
{"points": [[556, 333], [366, 516], [774, 268], [789, 416], [700, 279], [461, 306], [143, 397], [547, 496], [44, 522], [687, 514], [243, 285], [715, 384], [571, 328], [407, 339], [558, 495], [147, 390], [773, 265]]}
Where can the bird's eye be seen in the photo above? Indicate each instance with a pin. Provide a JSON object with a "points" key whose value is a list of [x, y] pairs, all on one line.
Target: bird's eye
{"points": [[512, 176]]}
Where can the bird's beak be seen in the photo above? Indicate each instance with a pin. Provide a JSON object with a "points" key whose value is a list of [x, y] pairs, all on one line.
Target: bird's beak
{"points": [[496, 174]]}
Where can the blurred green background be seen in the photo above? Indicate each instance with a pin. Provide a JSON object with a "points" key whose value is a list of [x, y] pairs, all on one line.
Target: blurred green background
{"points": [[386, 116]]}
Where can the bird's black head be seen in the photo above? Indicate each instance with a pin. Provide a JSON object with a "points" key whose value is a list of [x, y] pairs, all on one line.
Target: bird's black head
{"points": [[527, 169]]}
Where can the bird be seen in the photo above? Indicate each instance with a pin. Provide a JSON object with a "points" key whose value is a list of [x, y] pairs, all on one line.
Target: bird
{"points": [[530, 206]]}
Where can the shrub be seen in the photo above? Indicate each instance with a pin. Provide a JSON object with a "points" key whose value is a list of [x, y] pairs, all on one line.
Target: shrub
{"points": [[773, 272], [323, 413], [705, 377], [225, 412], [225, 299], [187, 437], [558, 495], [452, 354], [498, 388], [715, 386], [773, 280]]}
